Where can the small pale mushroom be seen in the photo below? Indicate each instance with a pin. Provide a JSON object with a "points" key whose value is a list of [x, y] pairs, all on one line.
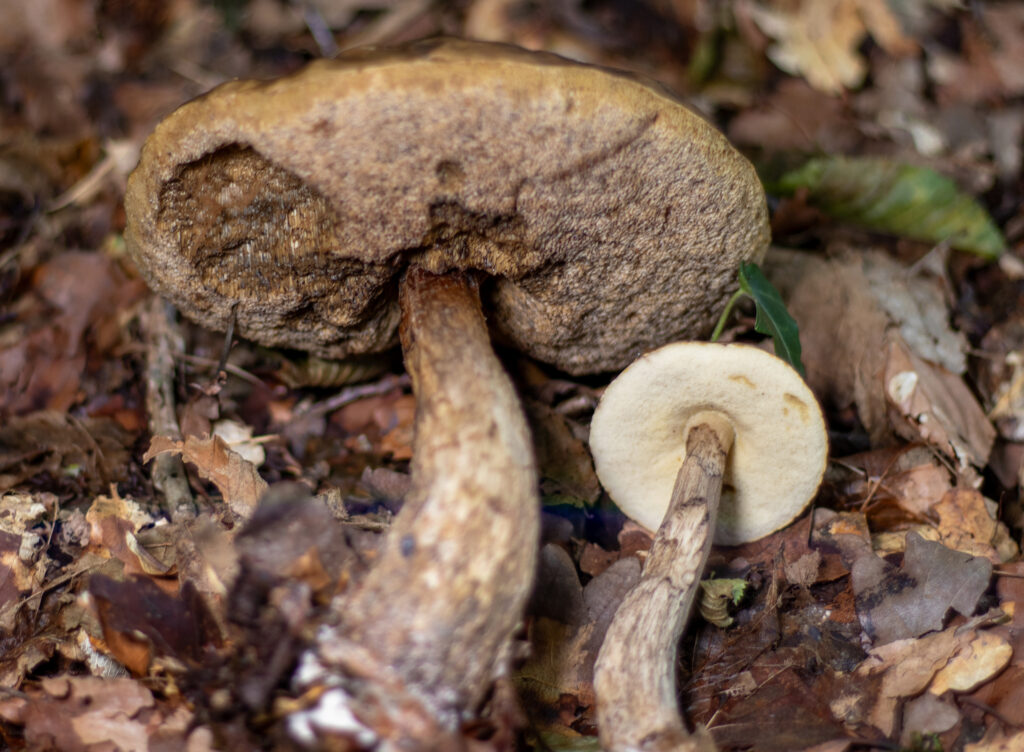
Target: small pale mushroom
{"points": [[590, 214], [700, 442]]}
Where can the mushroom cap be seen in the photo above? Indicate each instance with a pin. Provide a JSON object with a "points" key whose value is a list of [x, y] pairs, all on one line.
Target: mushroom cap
{"points": [[778, 455], [607, 217]]}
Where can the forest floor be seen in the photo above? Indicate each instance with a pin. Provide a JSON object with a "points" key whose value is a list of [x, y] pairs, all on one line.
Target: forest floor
{"points": [[135, 618]]}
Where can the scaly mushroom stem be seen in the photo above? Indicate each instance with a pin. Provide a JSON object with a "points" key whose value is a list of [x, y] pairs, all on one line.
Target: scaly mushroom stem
{"points": [[441, 604], [635, 676]]}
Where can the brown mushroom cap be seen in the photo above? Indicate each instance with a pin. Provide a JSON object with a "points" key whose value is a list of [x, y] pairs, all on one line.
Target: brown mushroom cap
{"points": [[609, 217]]}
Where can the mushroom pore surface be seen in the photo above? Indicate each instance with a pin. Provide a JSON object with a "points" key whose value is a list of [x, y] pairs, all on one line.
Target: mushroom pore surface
{"points": [[779, 450], [607, 217]]}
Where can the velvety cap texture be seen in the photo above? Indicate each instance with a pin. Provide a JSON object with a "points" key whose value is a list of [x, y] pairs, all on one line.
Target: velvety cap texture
{"points": [[606, 217]]}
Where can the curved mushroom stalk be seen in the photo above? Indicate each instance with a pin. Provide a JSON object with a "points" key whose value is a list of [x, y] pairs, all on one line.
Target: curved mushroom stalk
{"points": [[696, 416], [634, 679], [439, 608]]}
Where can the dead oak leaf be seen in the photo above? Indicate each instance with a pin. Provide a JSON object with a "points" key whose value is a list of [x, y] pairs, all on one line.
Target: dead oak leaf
{"points": [[819, 39], [914, 599], [236, 478]]}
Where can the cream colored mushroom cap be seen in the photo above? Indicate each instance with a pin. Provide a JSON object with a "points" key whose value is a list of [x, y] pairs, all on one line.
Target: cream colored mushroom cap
{"points": [[778, 455]]}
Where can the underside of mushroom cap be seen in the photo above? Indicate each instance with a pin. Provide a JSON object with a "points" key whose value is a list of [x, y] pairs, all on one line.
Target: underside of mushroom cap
{"points": [[778, 456], [608, 217]]}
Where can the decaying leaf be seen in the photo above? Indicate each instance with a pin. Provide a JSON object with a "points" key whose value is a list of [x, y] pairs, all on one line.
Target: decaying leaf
{"points": [[845, 318], [113, 523], [141, 622], [929, 403], [997, 740], [236, 478], [240, 440], [564, 462], [91, 452], [87, 714], [927, 714], [560, 670], [908, 477], [914, 599], [819, 39], [906, 667], [900, 199], [976, 662], [967, 523]]}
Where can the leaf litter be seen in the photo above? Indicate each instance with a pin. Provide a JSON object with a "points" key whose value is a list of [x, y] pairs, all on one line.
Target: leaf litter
{"points": [[888, 615]]}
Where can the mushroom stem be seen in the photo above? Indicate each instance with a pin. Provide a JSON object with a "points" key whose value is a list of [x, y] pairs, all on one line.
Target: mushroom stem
{"points": [[635, 675], [441, 604]]}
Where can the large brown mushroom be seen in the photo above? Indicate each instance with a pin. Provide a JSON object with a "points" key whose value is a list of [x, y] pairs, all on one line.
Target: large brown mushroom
{"points": [[594, 215]]}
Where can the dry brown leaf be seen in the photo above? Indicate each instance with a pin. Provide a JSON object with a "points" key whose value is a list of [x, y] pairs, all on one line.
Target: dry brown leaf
{"points": [[820, 39], [396, 423], [992, 62], [859, 349], [976, 662], [236, 478], [86, 714], [968, 524], [796, 117], [907, 667], [93, 451], [113, 522], [560, 670], [564, 462], [908, 602], [935, 406]]}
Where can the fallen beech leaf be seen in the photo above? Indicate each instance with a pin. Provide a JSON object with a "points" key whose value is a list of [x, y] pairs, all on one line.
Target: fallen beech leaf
{"points": [[87, 714], [934, 405], [562, 664], [980, 660], [803, 571], [236, 478], [564, 462], [140, 621], [113, 522], [93, 451]]}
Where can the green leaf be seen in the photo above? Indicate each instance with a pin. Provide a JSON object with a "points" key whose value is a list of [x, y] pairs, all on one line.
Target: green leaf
{"points": [[772, 317], [896, 198]]}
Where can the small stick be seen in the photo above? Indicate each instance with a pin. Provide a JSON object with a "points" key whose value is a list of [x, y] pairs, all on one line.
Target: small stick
{"points": [[163, 339]]}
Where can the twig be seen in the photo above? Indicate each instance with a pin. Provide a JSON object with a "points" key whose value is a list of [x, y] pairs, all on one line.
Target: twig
{"points": [[163, 338], [349, 394]]}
